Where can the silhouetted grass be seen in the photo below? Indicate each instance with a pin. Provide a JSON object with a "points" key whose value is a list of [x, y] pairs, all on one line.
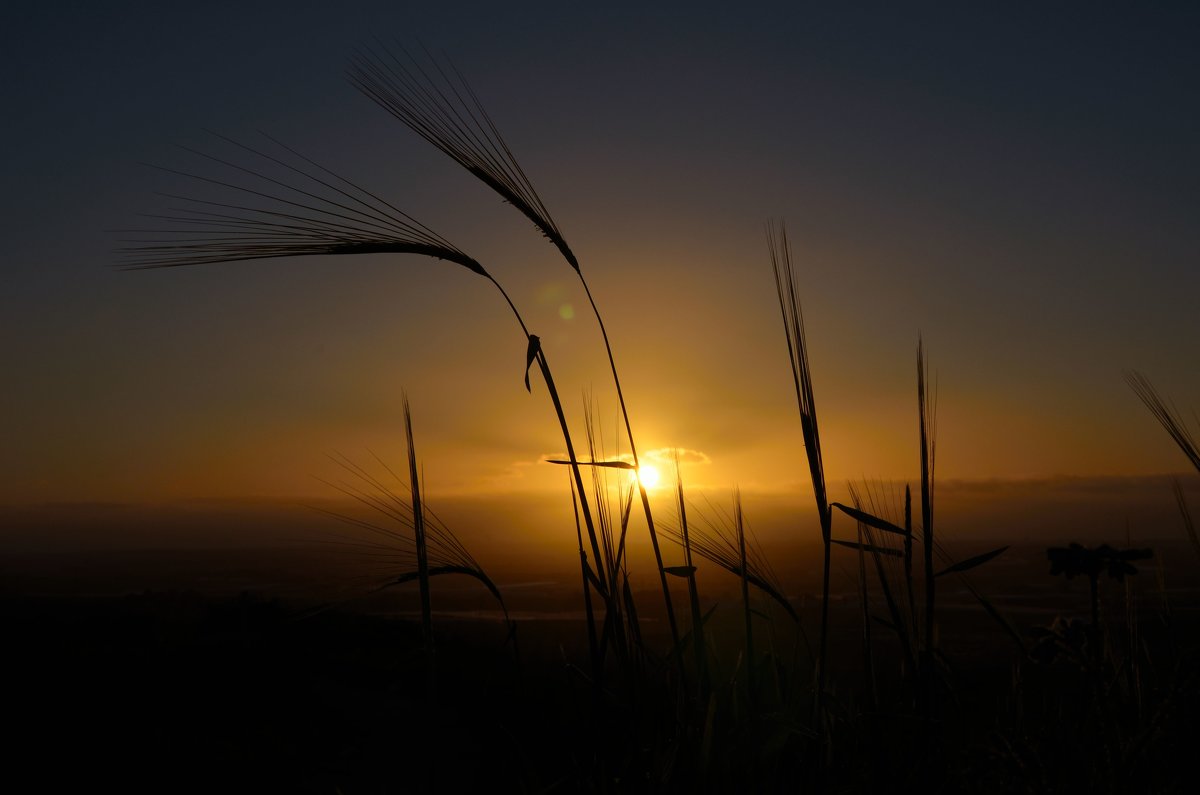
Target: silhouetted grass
{"points": [[764, 711], [926, 413], [1166, 415], [303, 209], [797, 346], [435, 101], [1177, 429]]}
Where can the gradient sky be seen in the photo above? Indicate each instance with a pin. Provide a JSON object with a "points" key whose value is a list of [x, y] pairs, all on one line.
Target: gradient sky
{"points": [[1021, 185]]}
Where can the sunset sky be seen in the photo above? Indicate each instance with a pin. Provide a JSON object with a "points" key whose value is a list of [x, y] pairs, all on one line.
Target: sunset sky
{"points": [[1019, 185]]}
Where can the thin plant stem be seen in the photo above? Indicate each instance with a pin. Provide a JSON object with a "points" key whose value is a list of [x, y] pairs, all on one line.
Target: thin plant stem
{"points": [[908, 562], [693, 590], [739, 524], [418, 517], [438, 104], [645, 499], [927, 463], [593, 648], [793, 326]]}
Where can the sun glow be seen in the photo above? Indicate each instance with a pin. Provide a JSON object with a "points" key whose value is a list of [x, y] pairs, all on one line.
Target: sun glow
{"points": [[648, 475]]}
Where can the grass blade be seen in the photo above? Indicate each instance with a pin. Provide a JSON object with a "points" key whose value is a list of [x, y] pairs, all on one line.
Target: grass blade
{"points": [[437, 103], [869, 520], [926, 428], [609, 464], [793, 326], [972, 562], [897, 623], [422, 553], [874, 549]]}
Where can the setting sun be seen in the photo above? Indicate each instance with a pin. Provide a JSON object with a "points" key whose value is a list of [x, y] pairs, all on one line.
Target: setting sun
{"points": [[648, 475]]}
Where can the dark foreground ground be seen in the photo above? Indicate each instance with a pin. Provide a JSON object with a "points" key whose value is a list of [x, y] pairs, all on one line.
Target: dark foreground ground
{"points": [[237, 684]]}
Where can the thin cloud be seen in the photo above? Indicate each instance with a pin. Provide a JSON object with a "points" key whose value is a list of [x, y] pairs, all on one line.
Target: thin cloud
{"points": [[667, 455]]}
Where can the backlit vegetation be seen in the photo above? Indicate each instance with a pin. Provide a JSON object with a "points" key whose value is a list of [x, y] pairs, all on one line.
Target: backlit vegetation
{"points": [[774, 700]]}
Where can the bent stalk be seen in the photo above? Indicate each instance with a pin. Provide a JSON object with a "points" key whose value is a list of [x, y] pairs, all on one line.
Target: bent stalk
{"points": [[306, 209], [438, 104]]}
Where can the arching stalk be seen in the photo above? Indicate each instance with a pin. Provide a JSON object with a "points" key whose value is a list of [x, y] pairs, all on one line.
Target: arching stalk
{"points": [[313, 211], [435, 102]]}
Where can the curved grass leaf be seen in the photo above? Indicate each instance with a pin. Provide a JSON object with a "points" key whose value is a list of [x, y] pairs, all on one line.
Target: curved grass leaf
{"points": [[591, 577], [414, 576], [712, 539], [531, 352], [872, 548], [869, 519], [392, 529], [970, 563], [610, 464]]}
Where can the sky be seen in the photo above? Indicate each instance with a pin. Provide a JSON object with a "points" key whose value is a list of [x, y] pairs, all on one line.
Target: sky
{"points": [[1017, 185]]}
